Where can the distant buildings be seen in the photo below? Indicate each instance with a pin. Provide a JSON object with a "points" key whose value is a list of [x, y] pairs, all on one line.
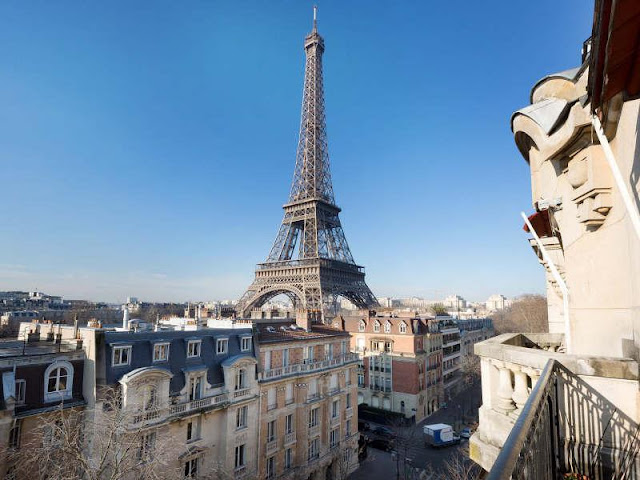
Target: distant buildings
{"points": [[497, 302]]}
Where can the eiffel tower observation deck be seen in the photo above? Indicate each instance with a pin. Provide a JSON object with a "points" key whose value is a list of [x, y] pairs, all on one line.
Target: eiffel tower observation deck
{"points": [[310, 260]]}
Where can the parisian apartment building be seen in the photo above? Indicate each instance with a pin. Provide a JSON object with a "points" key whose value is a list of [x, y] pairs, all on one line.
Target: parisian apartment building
{"points": [[228, 398], [411, 365]]}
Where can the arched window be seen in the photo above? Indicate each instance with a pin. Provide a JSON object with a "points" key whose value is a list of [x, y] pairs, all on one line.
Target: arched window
{"points": [[58, 381], [387, 327], [403, 327], [241, 379], [376, 326], [361, 326], [149, 397]]}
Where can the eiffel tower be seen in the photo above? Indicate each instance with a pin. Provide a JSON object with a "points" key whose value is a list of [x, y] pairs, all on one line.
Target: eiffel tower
{"points": [[310, 260]]}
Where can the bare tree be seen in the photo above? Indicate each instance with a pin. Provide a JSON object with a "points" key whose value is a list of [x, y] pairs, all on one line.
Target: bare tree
{"points": [[470, 366], [99, 445], [527, 314], [461, 467]]}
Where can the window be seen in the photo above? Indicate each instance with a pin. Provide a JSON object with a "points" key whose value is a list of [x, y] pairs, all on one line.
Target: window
{"points": [[314, 449], [191, 468], [193, 429], [328, 351], [222, 345], [195, 388], [360, 344], [288, 423], [271, 467], [21, 388], [58, 381], [343, 347], [347, 376], [285, 357], [267, 360], [121, 356], [287, 459], [376, 326], [308, 354], [193, 348], [335, 408], [241, 379], [333, 382], [361, 379], [271, 431], [245, 344], [348, 401], [149, 397], [387, 327], [161, 352], [313, 417], [14, 434], [147, 444], [313, 388], [347, 429], [241, 417], [239, 456], [334, 438], [403, 327], [361, 326], [271, 398], [289, 393]]}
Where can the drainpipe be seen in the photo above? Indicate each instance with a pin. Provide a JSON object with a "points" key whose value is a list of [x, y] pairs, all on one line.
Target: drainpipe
{"points": [[622, 188], [559, 279]]}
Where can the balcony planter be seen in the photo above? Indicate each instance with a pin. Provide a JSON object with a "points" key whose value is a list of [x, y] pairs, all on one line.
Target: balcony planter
{"points": [[575, 476]]}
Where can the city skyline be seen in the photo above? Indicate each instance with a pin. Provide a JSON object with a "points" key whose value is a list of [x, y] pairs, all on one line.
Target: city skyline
{"points": [[140, 188]]}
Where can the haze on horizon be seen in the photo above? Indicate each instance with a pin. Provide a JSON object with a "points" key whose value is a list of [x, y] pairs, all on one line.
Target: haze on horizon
{"points": [[147, 150]]}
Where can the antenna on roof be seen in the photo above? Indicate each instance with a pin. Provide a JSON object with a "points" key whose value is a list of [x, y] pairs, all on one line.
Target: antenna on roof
{"points": [[315, 18]]}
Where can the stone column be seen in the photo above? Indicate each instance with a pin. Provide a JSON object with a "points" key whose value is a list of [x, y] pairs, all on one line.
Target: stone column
{"points": [[504, 403], [521, 392]]}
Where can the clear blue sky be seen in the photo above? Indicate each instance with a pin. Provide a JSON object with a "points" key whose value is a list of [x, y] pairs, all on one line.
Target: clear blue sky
{"points": [[146, 148]]}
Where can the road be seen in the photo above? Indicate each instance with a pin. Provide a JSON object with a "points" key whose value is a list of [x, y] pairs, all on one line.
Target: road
{"points": [[382, 465]]}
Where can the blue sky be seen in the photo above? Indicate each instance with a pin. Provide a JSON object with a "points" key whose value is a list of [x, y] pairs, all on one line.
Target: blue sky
{"points": [[146, 148]]}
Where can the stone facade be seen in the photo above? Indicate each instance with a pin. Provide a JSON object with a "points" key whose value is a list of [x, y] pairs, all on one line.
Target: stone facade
{"points": [[590, 250]]}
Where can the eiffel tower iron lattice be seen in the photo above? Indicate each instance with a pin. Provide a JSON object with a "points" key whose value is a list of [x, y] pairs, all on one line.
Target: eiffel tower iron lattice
{"points": [[310, 260]]}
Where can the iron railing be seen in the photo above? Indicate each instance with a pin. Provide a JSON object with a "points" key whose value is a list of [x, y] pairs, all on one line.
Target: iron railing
{"points": [[568, 427]]}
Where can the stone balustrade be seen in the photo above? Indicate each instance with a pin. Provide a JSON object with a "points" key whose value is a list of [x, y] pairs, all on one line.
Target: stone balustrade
{"points": [[289, 438], [511, 365], [307, 367], [272, 446]]}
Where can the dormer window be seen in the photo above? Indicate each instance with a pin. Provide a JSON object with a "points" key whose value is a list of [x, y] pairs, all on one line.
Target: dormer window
{"points": [[245, 344], [161, 352], [387, 327], [193, 348], [361, 326], [58, 381], [121, 356], [403, 327], [376, 326], [222, 346]]}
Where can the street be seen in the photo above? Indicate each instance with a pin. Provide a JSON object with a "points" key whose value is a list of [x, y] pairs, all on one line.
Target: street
{"points": [[410, 444]]}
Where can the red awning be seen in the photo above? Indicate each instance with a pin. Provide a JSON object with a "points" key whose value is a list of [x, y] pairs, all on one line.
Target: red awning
{"points": [[540, 223]]}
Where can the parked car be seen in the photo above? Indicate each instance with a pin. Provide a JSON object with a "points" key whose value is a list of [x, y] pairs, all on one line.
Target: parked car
{"points": [[386, 444], [465, 433], [364, 426], [384, 432]]}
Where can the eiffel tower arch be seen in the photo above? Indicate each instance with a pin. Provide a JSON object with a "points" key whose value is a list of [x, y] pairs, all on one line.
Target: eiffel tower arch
{"points": [[310, 260]]}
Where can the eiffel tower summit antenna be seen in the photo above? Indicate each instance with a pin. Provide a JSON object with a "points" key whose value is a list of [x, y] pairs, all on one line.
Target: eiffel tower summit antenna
{"points": [[310, 260]]}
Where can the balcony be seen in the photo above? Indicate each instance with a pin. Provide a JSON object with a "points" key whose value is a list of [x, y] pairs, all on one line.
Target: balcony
{"points": [[289, 438], [314, 431], [348, 412], [272, 446], [187, 407], [335, 421], [546, 414], [146, 418], [239, 394], [307, 366]]}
